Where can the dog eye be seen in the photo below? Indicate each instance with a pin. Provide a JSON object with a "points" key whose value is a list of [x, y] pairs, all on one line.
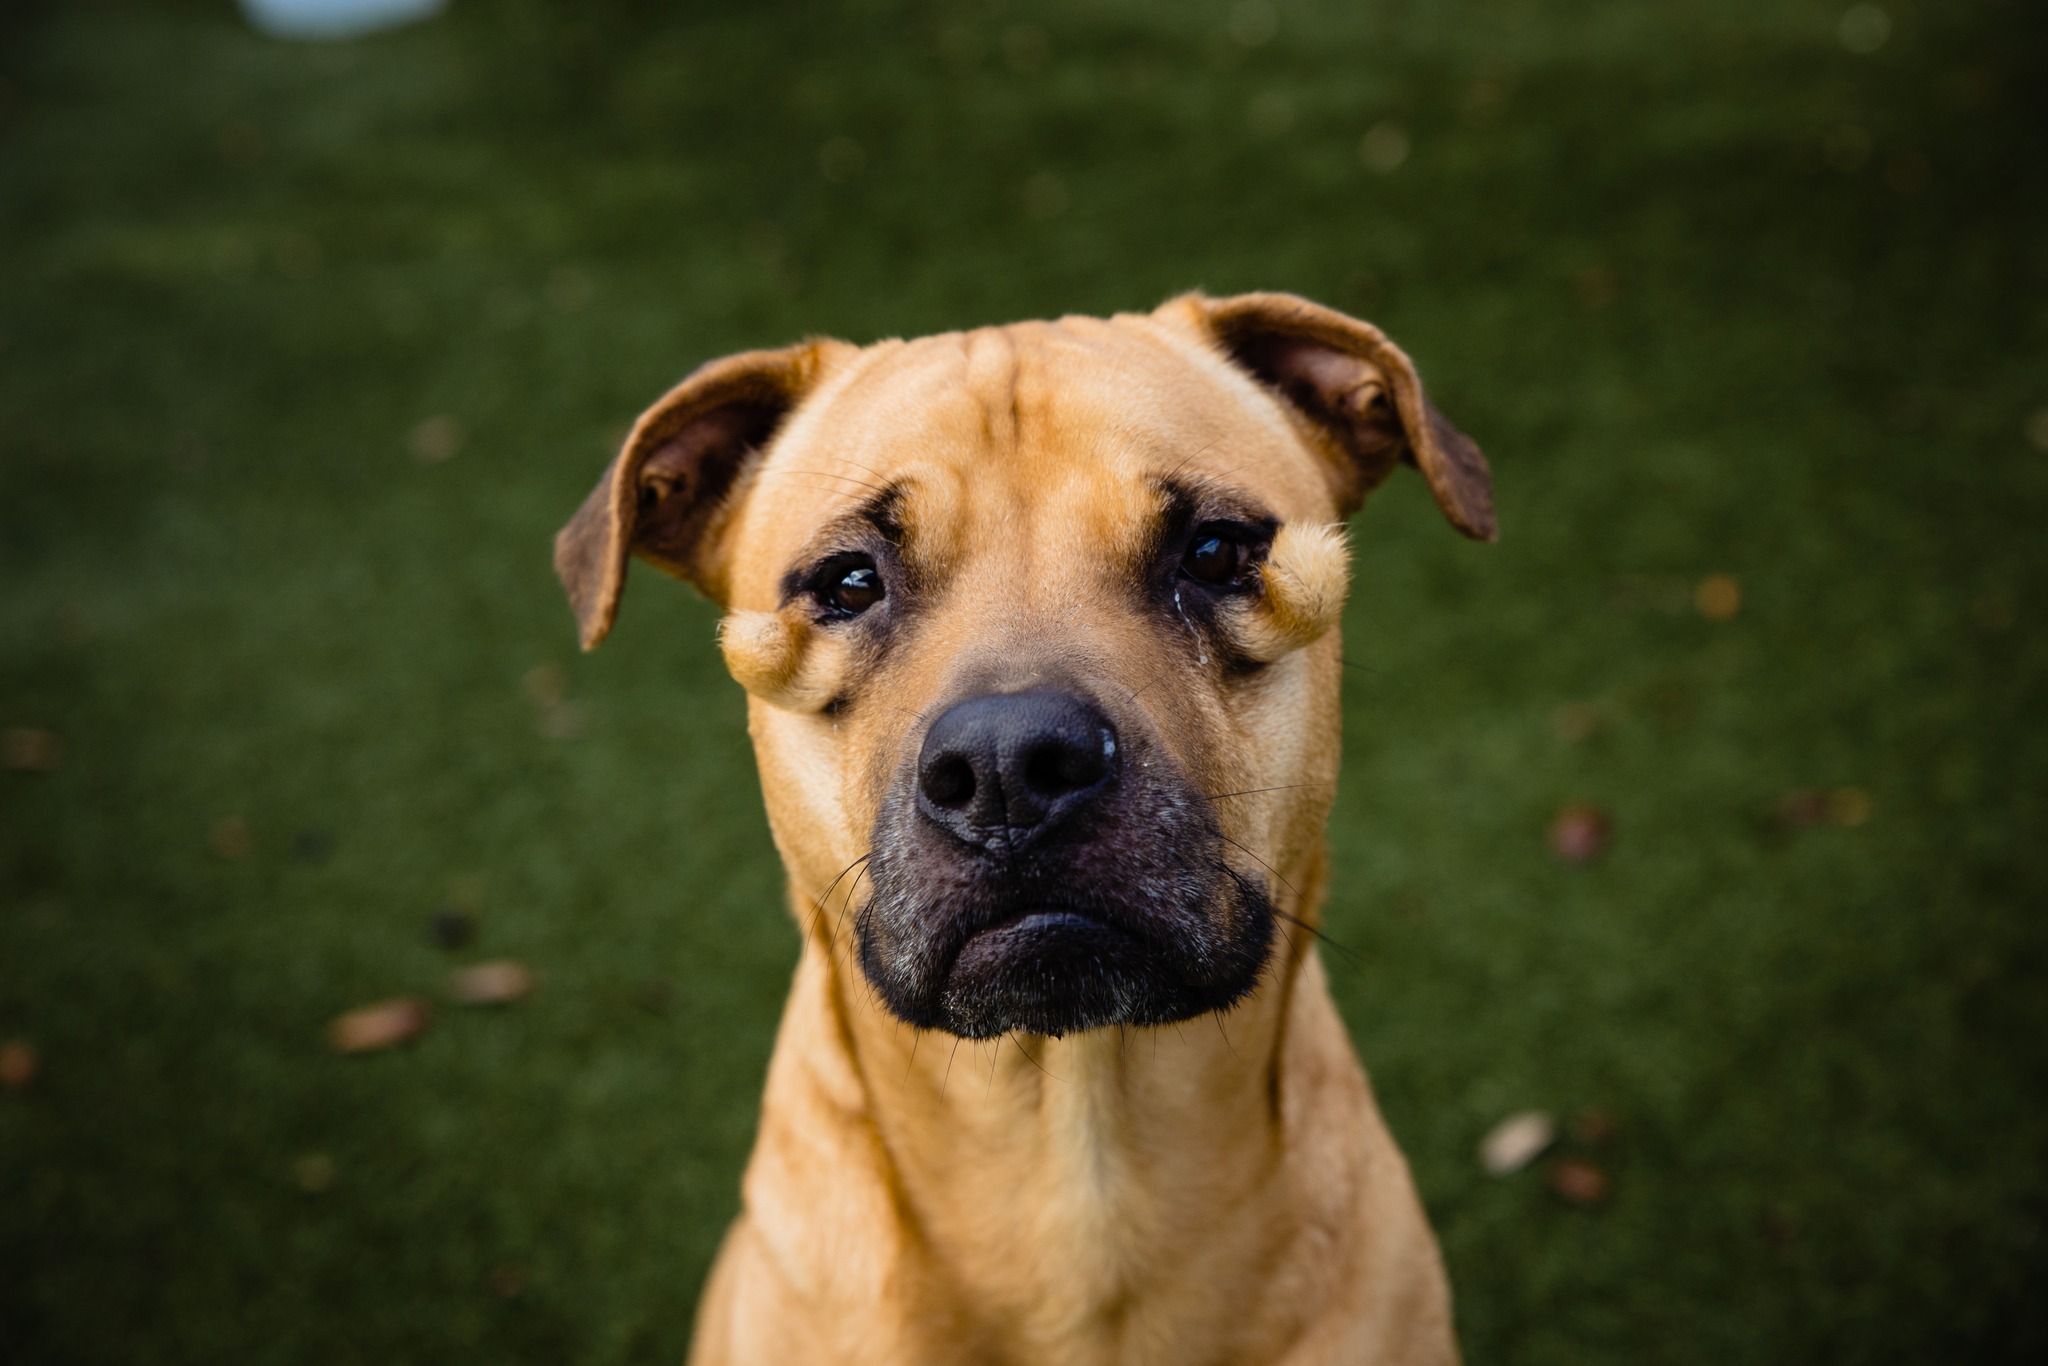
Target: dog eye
{"points": [[1218, 556], [849, 585]]}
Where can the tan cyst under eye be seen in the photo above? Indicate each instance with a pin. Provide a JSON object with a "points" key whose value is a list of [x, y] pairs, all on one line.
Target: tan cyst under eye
{"points": [[783, 658], [1306, 574]]}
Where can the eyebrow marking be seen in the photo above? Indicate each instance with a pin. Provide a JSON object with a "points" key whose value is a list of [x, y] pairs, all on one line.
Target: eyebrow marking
{"points": [[1207, 499], [882, 512], [876, 514]]}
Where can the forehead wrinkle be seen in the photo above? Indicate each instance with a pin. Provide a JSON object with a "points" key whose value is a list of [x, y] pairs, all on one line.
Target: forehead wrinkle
{"points": [[992, 369]]}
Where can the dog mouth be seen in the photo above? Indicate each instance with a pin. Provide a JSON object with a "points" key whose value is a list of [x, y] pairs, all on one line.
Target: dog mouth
{"points": [[1147, 927], [1045, 935]]}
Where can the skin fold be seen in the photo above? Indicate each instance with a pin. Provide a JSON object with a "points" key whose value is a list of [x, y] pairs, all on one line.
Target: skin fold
{"points": [[1219, 1189]]}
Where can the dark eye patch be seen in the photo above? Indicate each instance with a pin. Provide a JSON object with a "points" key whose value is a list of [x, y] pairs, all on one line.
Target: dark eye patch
{"points": [[850, 580], [1206, 552]]}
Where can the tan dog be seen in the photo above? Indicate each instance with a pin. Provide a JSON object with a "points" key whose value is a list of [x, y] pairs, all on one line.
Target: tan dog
{"points": [[1038, 625]]}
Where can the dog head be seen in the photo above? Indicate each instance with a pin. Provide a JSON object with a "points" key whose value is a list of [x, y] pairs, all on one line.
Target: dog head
{"points": [[1038, 628]]}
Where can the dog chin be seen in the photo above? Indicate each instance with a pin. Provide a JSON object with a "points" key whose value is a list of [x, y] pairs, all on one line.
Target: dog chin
{"points": [[1057, 970]]}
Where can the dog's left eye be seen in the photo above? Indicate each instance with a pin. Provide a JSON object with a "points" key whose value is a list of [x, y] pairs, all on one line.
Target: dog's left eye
{"points": [[1219, 555], [849, 585]]}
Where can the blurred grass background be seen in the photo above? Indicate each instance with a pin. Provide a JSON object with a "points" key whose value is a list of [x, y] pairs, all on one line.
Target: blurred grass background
{"points": [[305, 351]]}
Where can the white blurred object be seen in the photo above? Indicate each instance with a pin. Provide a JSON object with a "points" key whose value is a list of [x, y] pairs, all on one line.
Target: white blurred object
{"points": [[1517, 1141], [335, 18]]}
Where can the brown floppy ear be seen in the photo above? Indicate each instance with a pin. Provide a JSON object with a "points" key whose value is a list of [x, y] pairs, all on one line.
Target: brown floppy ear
{"points": [[1361, 392], [665, 496]]}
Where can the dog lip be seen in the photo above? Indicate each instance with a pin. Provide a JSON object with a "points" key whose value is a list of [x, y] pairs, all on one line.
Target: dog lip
{"points": [[1032, 918], [1037, 933]]}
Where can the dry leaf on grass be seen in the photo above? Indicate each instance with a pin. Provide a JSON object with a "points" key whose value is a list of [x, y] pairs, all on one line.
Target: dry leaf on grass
{"points": [[1579, 1183], [19, 1063], [1580, 833], [497, 982], [1803, 808], [385, 1024], [27, 750], [1718, 597]]}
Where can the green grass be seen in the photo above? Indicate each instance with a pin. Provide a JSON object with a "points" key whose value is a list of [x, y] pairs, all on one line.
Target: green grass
{"points": [[1716, 294]]}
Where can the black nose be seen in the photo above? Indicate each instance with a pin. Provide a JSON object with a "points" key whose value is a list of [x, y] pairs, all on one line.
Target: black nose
{"points": [[1000, 770]]}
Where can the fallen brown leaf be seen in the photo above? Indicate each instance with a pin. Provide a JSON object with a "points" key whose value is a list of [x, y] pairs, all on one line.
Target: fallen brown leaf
{"points": [[1580, 833], [1718, 597], [1803, 808], [1579, 1183], [28, 750], [488, 984], [19, 1063], [384, 1024], [1849, 806], [436, 439]]}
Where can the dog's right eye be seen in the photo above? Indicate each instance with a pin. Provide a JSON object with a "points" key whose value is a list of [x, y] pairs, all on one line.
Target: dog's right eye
{"points": [[1223, 555], [848, 585]]}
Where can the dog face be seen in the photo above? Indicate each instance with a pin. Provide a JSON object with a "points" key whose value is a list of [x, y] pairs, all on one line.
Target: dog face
{"points": [[1037, 625]]}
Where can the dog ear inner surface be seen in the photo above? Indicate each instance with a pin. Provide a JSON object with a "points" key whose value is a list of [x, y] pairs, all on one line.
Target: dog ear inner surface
{"points": [[665, 496], [1362, 391]]}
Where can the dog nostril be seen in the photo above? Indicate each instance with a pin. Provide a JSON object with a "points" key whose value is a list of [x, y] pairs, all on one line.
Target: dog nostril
{"points": [[949, 782], [1058, 766]]}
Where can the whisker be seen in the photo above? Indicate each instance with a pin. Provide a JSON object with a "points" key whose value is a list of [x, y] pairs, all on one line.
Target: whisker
{"points": [[847, 904], [1190, 460], [1218, 483], [834, 474], [949, 1067], [827, 489], [1351, 956], [1289, 916], [1218, 1018], [869, 468], [1027, 1055], [1255, 791], [917, 717], [818, 906], [1268, 867]]}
